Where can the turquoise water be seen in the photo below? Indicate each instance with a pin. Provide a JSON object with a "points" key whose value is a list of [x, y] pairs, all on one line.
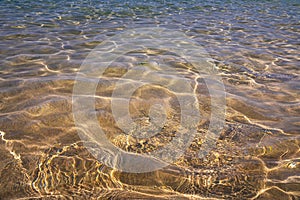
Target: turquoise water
{"points": [[255, 48]]}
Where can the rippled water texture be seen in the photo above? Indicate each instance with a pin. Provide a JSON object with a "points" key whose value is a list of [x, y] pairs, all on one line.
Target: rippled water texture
{"points": [[255, 47]]}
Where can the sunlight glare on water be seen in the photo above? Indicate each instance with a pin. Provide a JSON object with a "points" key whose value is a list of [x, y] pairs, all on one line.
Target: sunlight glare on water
{"points": [[253, 46]]}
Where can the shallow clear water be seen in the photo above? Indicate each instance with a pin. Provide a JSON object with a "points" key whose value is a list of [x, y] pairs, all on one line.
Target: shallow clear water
{"points": [[255, 47]]}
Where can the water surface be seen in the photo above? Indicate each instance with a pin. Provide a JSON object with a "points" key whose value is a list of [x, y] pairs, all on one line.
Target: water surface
{"points": [[255, 47]]}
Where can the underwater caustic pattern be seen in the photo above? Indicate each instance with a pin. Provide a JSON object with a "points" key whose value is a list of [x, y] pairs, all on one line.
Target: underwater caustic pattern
{"points": [[254, 47]]}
